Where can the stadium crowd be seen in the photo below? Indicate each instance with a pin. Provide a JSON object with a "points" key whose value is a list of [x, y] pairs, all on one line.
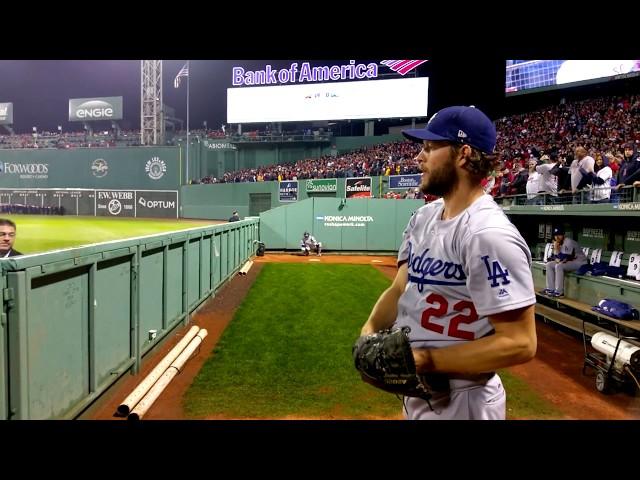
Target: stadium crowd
{"points": [[539, 154], [539, 151], [98, 139], [384, 159]]}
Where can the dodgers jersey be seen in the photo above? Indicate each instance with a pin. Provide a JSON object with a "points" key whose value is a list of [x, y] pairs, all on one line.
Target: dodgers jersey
{"points": [[571, 248], [460, 271]]}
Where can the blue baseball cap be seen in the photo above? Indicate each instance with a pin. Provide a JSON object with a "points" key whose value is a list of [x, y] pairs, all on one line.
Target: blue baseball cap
{"points": [[465, 125]]}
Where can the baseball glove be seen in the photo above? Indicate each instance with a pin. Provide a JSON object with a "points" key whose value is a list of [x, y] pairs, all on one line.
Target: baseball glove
{"points": [[384, 360]]}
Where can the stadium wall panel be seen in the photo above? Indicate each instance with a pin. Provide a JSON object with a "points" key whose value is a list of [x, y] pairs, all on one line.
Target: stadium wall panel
{"points": [[340, 224], [76, 320], [152, 168]]}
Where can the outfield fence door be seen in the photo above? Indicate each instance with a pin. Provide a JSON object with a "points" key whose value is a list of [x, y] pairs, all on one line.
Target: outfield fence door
{"points": [[259, 202]]}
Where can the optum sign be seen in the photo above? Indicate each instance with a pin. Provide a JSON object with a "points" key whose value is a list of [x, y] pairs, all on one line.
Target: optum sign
{"points": [[92, 109]]}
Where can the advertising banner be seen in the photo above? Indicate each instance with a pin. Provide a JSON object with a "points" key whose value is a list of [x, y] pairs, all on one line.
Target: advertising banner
{"points": [[404, 181], [322, 185], [115, 203], [6, 113], [93, 109], [288, 191], [357, 187], [156, 203]]}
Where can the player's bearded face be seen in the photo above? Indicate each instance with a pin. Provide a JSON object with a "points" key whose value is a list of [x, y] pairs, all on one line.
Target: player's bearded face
{"points": [[440, 175]]}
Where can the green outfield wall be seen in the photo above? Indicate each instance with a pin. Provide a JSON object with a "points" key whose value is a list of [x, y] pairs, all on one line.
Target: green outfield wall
{"points": [[145, 168], [340, 224]]}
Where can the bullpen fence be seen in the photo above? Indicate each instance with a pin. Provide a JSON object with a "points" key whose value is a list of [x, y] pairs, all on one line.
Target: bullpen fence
{"points": [[75, 320], [83, 201]]}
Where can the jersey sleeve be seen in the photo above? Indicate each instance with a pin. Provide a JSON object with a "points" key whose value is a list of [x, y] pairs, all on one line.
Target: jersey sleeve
{"points": [[499, 276], [403, 251]]}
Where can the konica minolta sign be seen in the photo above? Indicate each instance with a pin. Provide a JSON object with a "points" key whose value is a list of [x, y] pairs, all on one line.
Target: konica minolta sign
{"points": [[92, 109]]}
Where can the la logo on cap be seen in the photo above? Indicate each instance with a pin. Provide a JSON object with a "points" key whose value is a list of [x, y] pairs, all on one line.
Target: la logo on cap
{"points": [[461, 134]]}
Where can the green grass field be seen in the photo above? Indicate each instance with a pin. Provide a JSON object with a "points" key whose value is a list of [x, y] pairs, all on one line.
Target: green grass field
{"points": [[287, 352], [37, 233]]}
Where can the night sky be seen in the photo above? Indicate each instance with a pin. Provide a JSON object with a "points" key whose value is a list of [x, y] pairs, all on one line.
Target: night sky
{"points": [[40, 89]]}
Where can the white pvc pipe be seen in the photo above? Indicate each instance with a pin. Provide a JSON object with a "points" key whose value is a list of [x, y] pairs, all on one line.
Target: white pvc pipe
{"points": [[246, 267], [155, 391], [143, 387]]}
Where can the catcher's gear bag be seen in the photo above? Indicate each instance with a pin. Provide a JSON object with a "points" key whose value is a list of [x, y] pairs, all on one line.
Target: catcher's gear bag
{"points": [[384, 360]]}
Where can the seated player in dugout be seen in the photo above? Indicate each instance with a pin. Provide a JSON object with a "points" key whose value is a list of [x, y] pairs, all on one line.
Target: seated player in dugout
{"points": [[567, 257], [7, 238], [308, 243]]}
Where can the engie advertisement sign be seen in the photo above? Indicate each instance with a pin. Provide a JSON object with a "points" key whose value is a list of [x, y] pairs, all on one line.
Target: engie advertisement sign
{"points": [[94, 109]]}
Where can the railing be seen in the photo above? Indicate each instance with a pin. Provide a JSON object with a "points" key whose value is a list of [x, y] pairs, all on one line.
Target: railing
{"points": [[280, 137], [626, 194]]}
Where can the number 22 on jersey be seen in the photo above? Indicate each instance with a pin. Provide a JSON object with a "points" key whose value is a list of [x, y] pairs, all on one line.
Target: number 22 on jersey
{"points": [[440, 307]]}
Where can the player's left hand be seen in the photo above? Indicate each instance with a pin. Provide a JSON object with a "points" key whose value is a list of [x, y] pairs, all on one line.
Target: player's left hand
{"points": [[385, 360]]}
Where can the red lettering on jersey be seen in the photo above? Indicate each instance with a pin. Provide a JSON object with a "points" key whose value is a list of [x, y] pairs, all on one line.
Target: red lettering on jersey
{"points": [[441, 310], [471, 317], [437, 312]]}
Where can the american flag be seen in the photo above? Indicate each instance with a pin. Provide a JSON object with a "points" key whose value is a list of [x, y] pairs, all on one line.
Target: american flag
{"points": [[402, 66], [182, 73]]}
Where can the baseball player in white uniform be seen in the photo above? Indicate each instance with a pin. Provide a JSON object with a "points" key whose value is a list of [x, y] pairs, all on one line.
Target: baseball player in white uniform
{"points": [[309, 242], [464, 283], [567, 257]]}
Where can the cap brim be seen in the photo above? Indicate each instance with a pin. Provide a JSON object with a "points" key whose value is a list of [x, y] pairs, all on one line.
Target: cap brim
{"points": [[420, 134]]}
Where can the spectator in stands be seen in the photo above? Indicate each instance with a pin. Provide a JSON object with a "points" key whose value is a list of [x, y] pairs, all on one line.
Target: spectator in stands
{"points": [[585, 162], [567, 257], [614, 163], [600, 180], [519, 183], [235, 217], [630, 168], [533, 184], [489, 183], [548, 182], [561, 171], [7, 238], [410, 194]]}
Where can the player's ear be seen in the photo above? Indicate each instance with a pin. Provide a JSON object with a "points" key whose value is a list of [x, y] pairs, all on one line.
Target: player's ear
{"points": [[464, 153]]}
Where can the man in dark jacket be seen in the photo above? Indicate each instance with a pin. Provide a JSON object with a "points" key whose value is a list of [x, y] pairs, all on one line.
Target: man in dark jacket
{"points": [[235, 217], [519, 184], [7, 238], [630, 168], [561, 171]]}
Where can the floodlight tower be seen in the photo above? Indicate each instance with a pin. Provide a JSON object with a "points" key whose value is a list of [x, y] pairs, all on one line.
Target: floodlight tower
{"points": [[151, 114]]}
